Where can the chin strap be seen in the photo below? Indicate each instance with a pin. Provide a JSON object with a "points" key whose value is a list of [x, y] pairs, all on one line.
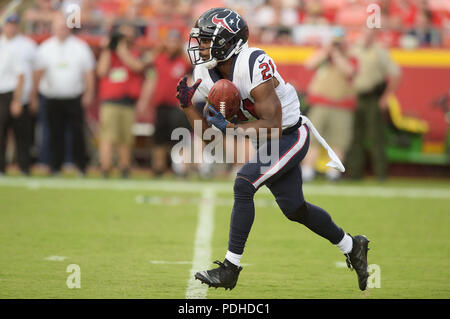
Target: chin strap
{"points": [[335, 162], [211, 64]]}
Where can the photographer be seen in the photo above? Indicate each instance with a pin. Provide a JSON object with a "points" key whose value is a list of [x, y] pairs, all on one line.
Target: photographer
{"points": [[169, 64], [120, 71], [333, 102]]}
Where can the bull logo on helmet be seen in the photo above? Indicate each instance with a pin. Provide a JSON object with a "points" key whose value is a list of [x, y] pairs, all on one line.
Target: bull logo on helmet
{"points": [[230, 21]]}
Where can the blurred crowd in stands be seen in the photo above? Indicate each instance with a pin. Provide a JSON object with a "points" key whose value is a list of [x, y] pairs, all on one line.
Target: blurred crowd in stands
{"points": [[307, 22], [55, 83]]}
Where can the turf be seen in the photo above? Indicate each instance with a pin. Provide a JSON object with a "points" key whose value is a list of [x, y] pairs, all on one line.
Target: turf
{"points": [[116, 241]]}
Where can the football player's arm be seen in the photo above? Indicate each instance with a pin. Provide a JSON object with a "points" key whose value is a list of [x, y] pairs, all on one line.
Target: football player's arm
{"points": [[185, 93], [267, 108], [193, 115]]}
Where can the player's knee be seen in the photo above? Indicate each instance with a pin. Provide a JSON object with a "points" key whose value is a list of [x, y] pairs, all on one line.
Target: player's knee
{"points": [[243, 188], [300, 215]]}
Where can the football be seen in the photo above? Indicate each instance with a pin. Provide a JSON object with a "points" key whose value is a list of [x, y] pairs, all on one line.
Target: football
{"points": [[225, 98]]}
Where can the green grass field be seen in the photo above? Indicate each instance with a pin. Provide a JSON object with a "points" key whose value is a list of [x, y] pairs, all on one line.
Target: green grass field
{"points": [[137, 239]]}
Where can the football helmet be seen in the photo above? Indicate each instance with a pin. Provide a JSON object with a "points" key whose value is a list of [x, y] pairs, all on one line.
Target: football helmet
{"points": [[226, 31]]}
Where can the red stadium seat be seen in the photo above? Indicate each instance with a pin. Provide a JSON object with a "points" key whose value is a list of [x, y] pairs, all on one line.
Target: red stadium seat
{"points": [[352, 16], [333, 4], [109, 6]]}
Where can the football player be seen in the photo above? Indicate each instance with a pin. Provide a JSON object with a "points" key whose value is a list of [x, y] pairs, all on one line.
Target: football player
{"points": [[219, 49]]}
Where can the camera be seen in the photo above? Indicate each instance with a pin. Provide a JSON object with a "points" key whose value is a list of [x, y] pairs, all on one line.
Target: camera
{"points": [[114, 40]]}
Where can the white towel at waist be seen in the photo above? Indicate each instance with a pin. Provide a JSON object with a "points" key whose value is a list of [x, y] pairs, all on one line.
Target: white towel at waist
{"points": [[335, 162]]}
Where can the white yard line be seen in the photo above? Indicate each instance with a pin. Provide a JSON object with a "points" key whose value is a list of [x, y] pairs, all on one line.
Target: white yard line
{"points": [[225, 187], [56, 258], [164, 262], [177, 201], [202, 245]]}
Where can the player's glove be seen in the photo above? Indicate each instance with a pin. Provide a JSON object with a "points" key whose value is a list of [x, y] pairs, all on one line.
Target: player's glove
{"points": [[185, 92], [214, 117]]}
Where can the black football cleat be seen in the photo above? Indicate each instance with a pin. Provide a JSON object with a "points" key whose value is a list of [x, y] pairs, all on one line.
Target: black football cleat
{"points": [[357, 259], [225, 276]]}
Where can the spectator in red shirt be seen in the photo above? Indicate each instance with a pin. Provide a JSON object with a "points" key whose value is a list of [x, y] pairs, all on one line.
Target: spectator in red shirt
{"points": [[406, 10], [120, 71], [169, 65]]}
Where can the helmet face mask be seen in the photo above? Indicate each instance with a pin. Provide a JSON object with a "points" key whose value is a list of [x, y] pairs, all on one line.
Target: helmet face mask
{"points": [[196, 50], [226, 33]]}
